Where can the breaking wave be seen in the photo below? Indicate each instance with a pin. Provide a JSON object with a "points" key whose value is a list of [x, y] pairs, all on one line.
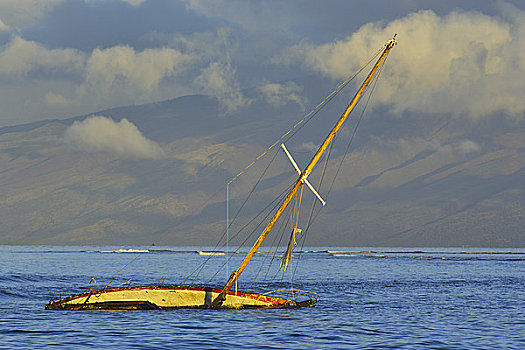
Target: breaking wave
{"points": [[341, 253], [121, 251], [200, 252]]}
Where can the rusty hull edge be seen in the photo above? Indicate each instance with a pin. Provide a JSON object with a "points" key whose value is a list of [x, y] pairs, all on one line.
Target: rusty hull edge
{"points": [[146, 305]]}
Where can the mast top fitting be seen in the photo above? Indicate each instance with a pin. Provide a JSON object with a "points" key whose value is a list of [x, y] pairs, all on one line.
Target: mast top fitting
{"points": [[392, 42]]}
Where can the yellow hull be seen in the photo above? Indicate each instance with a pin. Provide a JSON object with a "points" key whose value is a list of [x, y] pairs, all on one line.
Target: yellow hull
{"points": [[167, 297]]}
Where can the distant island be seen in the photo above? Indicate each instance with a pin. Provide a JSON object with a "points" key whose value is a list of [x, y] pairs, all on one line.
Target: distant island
{"points": [[426, 183]]}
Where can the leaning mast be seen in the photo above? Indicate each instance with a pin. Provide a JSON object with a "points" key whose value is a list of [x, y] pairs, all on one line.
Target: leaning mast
{"points": [[217, 302]]}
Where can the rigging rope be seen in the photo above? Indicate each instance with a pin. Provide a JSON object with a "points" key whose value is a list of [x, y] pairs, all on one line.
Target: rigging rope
{"points": [[215, 249], [341, 162], [290, 133], [276, 202]]}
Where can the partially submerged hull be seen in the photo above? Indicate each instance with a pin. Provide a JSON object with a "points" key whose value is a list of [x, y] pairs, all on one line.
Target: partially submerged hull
{"points": [[182, 297], [168, 297]]}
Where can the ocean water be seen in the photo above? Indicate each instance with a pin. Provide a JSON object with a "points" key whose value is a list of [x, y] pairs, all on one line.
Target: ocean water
{"points": [[370, 298]]}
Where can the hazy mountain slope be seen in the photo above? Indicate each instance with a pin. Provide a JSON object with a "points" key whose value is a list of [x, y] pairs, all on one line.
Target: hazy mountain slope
{"points": [[408, 182]]}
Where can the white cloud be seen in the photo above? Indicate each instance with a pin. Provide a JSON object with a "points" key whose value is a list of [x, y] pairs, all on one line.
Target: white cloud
{"points": [[467, 146], [219, 80], [410, 146], [308, 147], [207, 46], [123, 67], [103, 70], [404, 145], [83, 82], [101, 134], [3, 27], [23, 13], [134, 2], [131, 2], [280, 94], [123, 75], [53, 99], [251, 15], [462, 63], [20, 58]]}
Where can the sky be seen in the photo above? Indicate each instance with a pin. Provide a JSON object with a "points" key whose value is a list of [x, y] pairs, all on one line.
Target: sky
{"points": [[62, 58]]}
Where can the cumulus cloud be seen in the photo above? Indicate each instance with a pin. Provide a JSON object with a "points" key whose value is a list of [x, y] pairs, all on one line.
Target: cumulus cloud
{"points": [[102, 74], [101, 134], [23, 13], [308, 147], [467, 146], [131, 2], [20, 57], [3, 27], [280, 94], [102, 68], [465, 63], [123, 75], [53, 99], [218, 45], [410, 146], [251, 15], [134, 2], [122, 66], [458, 148], [219, 80]]}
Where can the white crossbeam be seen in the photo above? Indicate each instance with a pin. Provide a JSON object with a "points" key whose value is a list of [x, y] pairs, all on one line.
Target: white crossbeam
{"points": [[304, 180]]}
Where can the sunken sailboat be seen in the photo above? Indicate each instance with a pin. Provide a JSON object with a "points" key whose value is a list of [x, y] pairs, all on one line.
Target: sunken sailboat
{"points": [[194, 297]]}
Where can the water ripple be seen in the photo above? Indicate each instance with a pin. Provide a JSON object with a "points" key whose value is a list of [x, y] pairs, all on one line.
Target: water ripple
{"points": [[468, 300]]}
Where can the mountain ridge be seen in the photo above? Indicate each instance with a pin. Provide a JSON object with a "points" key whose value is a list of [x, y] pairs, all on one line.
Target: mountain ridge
{"points": [[409, 181]]}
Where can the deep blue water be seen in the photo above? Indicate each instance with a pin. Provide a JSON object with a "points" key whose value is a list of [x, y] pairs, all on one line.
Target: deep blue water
{"points": [[371, 298]]}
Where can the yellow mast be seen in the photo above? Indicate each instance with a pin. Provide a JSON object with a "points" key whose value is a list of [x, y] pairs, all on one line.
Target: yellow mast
{"points": [[217, 302]]}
